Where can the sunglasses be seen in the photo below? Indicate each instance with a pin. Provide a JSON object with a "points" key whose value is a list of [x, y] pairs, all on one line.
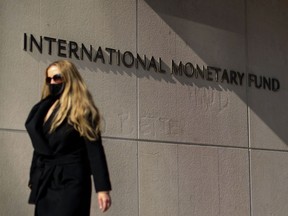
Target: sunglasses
{"points": [[57, 79]]}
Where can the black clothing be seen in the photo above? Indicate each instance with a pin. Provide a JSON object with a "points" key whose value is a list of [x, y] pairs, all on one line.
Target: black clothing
{"points": [[62, 164]]}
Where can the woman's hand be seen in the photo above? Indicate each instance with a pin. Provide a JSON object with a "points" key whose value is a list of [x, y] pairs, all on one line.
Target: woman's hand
{"points": [[104, 200]]}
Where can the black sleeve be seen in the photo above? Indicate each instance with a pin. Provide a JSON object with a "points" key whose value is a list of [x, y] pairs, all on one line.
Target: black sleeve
{"points": [[98, 164]]}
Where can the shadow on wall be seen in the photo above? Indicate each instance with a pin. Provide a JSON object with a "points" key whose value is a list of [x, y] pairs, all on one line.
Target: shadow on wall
{"points": [[209, 17]]}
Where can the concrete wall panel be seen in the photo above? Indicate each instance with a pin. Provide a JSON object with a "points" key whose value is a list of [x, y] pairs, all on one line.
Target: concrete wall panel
{"points": [[178, 108], [18, 78], [100, 22], [269, 183], [71, 21], [267, 56], [213, 181], [158, 181], [188, 180], [15, 159]]}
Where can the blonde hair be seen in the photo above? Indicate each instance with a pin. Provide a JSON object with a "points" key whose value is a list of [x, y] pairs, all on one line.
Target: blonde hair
{"points": [[76, 103]]}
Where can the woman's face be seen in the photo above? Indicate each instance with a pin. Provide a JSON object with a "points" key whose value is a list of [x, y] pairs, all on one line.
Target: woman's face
{"points": [[54, 75]]}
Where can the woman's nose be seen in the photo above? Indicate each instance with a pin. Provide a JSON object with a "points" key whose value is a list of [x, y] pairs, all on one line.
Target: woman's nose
{"points": [[52, 81]]}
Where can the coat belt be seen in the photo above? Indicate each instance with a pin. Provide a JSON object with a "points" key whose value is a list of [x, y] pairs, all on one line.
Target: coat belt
{"points": [[45, 168]]}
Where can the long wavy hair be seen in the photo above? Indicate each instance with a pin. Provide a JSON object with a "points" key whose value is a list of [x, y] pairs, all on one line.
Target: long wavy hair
{"points": [[76, 103]]}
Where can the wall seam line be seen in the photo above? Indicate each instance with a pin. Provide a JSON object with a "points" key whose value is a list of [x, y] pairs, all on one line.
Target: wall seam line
{"points": [[137, 113], [169, 142], [248, 109]]}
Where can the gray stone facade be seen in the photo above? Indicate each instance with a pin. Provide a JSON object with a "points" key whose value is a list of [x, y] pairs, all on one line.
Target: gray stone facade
{"points": [[176, 145]]}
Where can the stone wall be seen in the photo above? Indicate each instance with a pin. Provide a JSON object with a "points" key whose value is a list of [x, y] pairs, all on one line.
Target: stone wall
{"points": [[177, 144]]}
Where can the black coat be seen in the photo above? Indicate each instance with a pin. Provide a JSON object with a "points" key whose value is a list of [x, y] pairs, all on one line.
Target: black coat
{"points": [[62, 164]]}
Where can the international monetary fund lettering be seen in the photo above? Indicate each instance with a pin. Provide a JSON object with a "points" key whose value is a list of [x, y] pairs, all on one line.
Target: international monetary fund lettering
{"points": [[71, 49]]}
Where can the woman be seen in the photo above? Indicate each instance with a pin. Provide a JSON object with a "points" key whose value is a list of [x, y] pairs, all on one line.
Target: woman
{"points": [[65, 134]]}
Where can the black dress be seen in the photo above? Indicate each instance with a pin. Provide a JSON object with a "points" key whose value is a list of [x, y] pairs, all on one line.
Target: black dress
{"points": [[62, 164]]}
